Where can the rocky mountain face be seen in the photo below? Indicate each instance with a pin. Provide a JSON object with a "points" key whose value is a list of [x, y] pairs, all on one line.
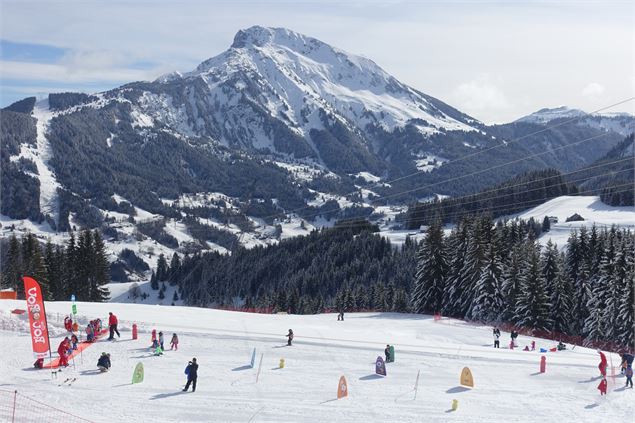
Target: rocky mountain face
{"points": [[277, 134]]}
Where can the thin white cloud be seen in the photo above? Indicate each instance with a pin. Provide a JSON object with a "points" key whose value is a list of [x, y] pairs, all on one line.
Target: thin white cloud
{"points": [[547, 52], [25, 71], [479, 97], [593, 90]]}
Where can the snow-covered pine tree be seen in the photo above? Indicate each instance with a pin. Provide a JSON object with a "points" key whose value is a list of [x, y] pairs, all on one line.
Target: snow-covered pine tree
{"points": [[549, 265], [432, 272], [100, 274], [457, 242], [625, 320], [577, 268], [472, 267], [488, 301], [175, 266], [162, 268], [512, 278], [595, 325], [34, 265], [533, 303], [561, 298], [154, 283]]}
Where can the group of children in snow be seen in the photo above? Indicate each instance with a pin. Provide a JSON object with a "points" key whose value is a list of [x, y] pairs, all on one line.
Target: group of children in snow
{"points": [[513, 344], [626, 365], [93, 329], [158, 343], [69, 343]]}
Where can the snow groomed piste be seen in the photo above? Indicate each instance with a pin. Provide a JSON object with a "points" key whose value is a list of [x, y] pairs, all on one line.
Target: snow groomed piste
{"points": [[446, 370]]}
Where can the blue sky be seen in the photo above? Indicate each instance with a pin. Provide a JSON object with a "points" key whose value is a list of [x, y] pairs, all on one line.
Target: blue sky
{"points": [[494, 60]]}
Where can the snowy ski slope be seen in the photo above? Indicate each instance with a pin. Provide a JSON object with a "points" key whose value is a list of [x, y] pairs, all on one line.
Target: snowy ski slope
{"points": [[508, 386]]}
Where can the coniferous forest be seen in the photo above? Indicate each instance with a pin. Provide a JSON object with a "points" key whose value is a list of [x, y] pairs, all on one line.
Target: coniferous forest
{"points": [[79, 268], [481, 271]]}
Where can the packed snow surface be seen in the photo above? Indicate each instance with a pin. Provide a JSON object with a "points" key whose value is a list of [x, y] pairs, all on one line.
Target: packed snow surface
{"points": [[508, 385]]}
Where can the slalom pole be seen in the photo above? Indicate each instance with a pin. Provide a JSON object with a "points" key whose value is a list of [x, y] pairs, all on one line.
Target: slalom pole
{"points": [[417, 384], [259, 366]]}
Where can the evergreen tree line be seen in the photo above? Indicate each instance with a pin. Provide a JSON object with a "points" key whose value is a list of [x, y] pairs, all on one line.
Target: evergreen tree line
{"points": [[500, 274], [347, 268], [80, 267]]}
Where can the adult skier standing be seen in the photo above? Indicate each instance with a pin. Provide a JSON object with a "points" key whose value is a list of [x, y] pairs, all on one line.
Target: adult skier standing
{"points": [[112, 324], [192, 374], [497, 334]]}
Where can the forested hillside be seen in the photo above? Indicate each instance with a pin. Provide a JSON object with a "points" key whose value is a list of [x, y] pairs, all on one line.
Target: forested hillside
{"points": [[519, 193]]}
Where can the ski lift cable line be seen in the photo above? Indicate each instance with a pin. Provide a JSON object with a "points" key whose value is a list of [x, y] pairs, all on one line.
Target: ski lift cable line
{"points": [[507, 194], [516, 140], [548, 177], [470, 174], [478, 172], [529, 203], [486, 211], [513, 141], [490, 209]]}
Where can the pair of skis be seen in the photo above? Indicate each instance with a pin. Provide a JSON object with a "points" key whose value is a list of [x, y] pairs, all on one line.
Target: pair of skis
{"points": [[68, 382]]}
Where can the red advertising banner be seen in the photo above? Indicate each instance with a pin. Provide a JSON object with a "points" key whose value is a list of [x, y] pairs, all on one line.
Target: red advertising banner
{"points": [[37, 317]]}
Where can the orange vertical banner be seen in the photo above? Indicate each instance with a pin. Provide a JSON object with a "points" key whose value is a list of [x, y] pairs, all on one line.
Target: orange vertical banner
{"points": [[37, 317], [342, 388]]}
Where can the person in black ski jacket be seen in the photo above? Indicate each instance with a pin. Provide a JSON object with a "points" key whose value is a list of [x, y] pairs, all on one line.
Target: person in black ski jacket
{"points": [[387, 353], [192, 374], [104, 362], [290, 336]]}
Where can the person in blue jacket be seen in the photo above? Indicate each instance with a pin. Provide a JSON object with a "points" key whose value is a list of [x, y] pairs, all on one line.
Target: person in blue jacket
{"points": [[192, 374]]}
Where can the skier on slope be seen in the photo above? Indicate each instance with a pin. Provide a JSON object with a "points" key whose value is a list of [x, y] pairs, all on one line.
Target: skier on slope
{"points": [[174, 343], [68, 324], [602, 386], [387, 353], [627, 361], [155, 343], [104, 362], [629, 376], [192, 374], [161, 340], [112, 324], [290, 337], [603, 363], [74, 342], [514, 336], [62, 350], [90, 334], [497, 334]]}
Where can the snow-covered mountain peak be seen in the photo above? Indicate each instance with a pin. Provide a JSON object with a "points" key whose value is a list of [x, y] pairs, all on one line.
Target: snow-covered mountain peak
{"points": [[548, 114], [295, 76], [619, 122]]}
